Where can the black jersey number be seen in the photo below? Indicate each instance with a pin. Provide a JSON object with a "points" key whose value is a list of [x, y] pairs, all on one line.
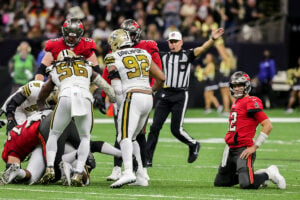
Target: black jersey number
{"points": [[233, 119], [142, 69], [77, 69]]}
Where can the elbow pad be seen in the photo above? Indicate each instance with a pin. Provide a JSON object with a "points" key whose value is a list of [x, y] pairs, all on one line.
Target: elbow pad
{"points": [[102, 84]]}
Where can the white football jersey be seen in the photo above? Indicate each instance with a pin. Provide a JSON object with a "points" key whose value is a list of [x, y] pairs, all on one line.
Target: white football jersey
{"points": [[31, 90], [133, 65], [72, 79]]}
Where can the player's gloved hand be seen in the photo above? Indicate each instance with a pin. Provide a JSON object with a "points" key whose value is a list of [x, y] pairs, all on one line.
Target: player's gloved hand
{"points": [[11, 122], [99, 102], [2, 123]]}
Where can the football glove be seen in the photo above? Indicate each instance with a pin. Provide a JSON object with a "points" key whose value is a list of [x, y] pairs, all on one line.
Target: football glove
{"points": [[11, 122], [99, 102]]}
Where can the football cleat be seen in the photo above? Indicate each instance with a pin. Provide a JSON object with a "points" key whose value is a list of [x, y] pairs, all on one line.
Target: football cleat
{"points": [[276, 177], [141, 179], [10, 173], [115, 174], [266, 182], [76, 180], [194, 151], [127, 178], [48, 176]]}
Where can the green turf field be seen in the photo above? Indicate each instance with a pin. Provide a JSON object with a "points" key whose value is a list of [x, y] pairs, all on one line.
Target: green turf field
{"points": [[172, 177]]}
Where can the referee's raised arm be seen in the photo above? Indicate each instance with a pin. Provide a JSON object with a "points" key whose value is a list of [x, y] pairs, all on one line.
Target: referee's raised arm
{"points": [[216, 34]]}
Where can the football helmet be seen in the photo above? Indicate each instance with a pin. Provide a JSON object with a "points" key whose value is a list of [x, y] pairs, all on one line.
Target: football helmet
{"points": [[239, 78], [133, 28], [119, 38], [66, 53], [72, 31]]}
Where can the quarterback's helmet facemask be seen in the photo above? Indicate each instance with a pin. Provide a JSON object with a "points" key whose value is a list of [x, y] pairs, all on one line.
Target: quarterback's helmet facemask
{"points": [[72, 31], [66, 54], [133, 28], [119, 38], [240, 78]]}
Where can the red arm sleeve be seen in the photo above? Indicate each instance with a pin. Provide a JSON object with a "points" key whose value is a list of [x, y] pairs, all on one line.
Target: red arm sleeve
{"points": [[156, 59], [105, 77]]}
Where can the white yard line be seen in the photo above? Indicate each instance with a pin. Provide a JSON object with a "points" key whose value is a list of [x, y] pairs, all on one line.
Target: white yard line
{"points": [[207, 120]]}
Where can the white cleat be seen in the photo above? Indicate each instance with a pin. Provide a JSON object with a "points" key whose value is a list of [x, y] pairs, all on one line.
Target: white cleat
{"points": [[266, 182], [126, 178], [115, 174], [141, 179], [276, 177], [146, 173], [11, 173]]}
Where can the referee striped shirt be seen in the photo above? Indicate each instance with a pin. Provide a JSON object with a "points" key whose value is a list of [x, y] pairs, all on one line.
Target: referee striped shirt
{"points": [[176, 67]]}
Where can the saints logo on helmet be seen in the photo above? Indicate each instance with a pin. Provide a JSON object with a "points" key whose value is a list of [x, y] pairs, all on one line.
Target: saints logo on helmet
{"points": [[66, 53], [133, 28], [240, 78], [72, 31], [119, 38]]}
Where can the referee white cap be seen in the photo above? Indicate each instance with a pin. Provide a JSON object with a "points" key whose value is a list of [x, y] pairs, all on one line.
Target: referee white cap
{"points": [[175, 35]]}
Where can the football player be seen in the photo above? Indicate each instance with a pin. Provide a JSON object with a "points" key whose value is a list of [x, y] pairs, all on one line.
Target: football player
{"points": [[150, 46], [129, 70], [22, 104], [73, 76], [31, 137], [72, 31], [240, 153]]}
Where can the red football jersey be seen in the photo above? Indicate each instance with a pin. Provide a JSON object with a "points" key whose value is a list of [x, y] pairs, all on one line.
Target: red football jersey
{"points": [[21, 141], [242, 123], [151, 47], [84, 48]]}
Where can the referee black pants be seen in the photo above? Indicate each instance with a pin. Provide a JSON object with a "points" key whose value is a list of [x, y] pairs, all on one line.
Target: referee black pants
{"points": [[174, 102]]}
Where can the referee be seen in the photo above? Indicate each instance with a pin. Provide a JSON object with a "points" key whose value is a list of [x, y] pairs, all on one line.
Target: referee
{"points": [[174, 96]]}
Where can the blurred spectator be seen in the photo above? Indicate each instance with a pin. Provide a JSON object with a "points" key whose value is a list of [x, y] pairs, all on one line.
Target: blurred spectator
{"points": [[171, 12], [203, 10], [208, 26], [21, 66], [231, 15], [35, 31], [188, 9], [227, 67], [153, 33], [102, 31], [210, 84], [294, 80], [252, 11], [267, 70], [153, 11]]}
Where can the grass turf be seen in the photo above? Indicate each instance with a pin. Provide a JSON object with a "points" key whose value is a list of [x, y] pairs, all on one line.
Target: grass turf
{"points": [[171, 176]]}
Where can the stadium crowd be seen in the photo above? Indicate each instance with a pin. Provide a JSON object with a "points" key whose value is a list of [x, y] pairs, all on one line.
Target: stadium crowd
{"points": [[194, 18]]}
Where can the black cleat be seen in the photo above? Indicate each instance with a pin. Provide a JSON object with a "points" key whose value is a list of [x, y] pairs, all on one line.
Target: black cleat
{"points": [[194, 151]]}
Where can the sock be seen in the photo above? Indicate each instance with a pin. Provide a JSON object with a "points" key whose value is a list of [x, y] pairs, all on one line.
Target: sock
{"points": [[126, 148], [137, 154], [110, 150]]}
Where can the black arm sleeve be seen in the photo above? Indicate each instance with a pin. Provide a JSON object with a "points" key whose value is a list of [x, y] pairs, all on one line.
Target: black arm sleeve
{"points": [[42, 69], [97, 69], [12, 105]]}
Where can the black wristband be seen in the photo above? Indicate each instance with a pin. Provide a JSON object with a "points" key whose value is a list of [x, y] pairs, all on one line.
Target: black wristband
{"points": [[42, 69], [97, 69]]}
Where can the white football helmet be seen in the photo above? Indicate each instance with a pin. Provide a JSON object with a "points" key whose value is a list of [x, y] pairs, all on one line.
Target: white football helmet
{"points": [[66, 53], [119, 38]]}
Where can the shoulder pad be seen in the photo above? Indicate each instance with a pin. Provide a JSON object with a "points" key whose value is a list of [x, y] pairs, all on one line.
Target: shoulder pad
{"points": [[109, 59], [50, 44]]}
